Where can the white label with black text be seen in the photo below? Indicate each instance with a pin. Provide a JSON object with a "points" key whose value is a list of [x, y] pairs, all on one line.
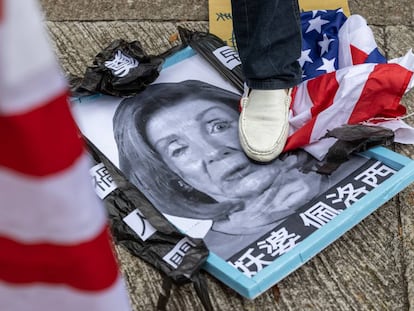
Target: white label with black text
{"points": [[102, 181], [176, 255], [141, 226], [227, 56]]}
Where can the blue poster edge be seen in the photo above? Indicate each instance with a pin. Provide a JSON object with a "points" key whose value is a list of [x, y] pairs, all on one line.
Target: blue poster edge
{"points": [[323, 237]]}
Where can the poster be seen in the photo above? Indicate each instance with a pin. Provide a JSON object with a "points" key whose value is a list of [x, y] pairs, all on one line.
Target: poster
{"points": [[177, 143], [220, 17]]}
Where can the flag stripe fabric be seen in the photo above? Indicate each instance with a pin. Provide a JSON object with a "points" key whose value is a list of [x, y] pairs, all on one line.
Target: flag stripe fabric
{"points": [[40, 208], [36, 133], [347, 96], [346, 80], [56, 249], [308, 103], [29, 73], [358, 56], [343, 95], [45, 297], [356, 36], [382, 93], [37, 90], [62, 264], [322, 100]]}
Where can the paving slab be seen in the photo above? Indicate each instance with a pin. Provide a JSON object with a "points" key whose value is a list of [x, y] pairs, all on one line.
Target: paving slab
{"points": [[384, 12], [406, 204], [377, 12], [96, 10], [399, 40]]}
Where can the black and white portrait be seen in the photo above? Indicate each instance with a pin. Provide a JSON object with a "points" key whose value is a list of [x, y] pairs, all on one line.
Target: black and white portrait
{"points": [[177, 142]]}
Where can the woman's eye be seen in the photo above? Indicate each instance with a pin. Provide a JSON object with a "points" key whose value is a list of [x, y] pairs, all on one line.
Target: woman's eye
{"points": [[177, 152], [219, 126], [176, 149]]}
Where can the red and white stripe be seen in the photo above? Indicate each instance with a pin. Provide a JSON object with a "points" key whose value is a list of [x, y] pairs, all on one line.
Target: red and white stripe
{"points": [[55, 246], [356, 42], [349, 95]]}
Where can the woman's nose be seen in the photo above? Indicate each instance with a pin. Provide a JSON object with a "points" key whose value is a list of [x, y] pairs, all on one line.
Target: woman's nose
{"points": [[219, 154]]}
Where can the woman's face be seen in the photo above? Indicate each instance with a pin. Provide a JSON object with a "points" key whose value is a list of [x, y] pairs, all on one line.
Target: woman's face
{"points": [[198, 140]]}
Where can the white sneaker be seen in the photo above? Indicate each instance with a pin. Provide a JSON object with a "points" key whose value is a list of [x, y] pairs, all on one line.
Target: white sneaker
{"points": [[263, 123]]}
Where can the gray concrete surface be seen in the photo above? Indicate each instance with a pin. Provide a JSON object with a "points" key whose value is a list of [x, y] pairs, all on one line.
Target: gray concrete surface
{"points": [[370, 268]]}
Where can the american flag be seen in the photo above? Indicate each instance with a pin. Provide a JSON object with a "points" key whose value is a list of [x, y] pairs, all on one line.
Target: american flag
{"points": [[331, 41], [56, 252], [346, 80]]}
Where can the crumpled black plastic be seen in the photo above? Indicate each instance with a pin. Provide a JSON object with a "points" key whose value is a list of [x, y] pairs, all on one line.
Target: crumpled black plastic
{"points": [[352, 139], [205, 44], [98, 78], [125, 199]]}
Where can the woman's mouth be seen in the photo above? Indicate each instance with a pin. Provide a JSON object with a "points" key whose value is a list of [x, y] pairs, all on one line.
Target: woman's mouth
{"points": [[237, 172]]}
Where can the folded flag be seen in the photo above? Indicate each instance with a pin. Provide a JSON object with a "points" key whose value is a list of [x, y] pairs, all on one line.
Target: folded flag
{"points": [[56, 250], [350, 95], [346, 81]]}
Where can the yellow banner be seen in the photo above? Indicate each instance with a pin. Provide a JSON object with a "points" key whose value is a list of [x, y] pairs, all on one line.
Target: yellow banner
{"points": [[309, 5], [220, 17]]}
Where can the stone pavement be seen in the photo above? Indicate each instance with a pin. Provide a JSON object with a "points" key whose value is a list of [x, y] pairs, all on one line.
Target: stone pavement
{"points": [[370, 268]]}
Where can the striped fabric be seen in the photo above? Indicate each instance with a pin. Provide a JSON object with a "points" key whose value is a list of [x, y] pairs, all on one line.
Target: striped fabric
{"points": [[56, 252], [349, 95], [346, 81]]}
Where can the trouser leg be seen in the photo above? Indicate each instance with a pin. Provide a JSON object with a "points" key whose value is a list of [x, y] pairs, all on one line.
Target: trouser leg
{"points": [[268, 38]]}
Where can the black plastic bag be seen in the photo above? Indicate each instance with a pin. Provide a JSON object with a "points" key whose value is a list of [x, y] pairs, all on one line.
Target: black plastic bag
{"points": [[124, 200], [121, 69], [352, 139]]}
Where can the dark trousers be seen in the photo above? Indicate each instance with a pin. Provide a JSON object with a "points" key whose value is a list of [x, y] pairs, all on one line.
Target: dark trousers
{"points": [[268, 38]]}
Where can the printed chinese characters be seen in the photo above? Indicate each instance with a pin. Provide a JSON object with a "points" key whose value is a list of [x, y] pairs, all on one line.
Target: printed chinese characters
{"points": [[223, 16], [250, 264], [121, 64], [102, 180], [319, 215], [140, 224], [227, 56], [175, 256], [278, 242], [310, 217]]}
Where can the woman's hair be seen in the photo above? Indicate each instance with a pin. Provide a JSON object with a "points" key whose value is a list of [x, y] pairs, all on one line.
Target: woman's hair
{"points": [[144, 167]]}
